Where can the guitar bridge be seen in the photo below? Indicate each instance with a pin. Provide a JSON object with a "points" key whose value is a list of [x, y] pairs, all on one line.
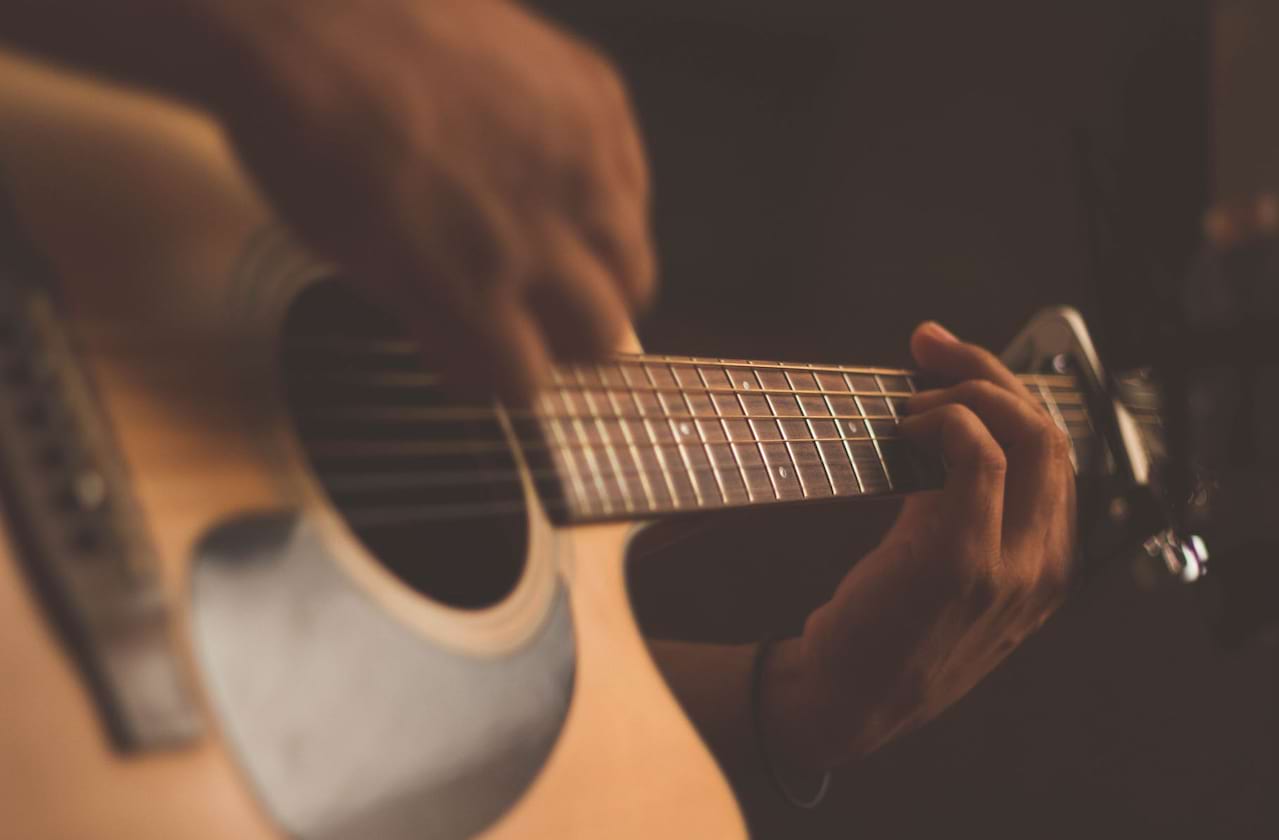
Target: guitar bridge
{"points": [[73, 525]]}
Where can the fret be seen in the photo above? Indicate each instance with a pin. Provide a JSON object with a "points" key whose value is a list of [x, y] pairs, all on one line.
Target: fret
{"points": [[777, 455], [650, 435], [823, 425], [605, 453], [587, 438], [565, 460], [711, 434], [658, 434], [814, 472], [657, 491], [695, 458], [621, 454], [746, 448], [869, 457], [723, 406], [841, 405], [756, 432]]}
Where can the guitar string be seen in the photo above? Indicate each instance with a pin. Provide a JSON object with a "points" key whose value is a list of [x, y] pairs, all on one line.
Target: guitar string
{"points": [[374, 480], [211, 349], [1064, 387], [397, 414], [415, 381], [408, 349], [338, 448], [371, 516]]}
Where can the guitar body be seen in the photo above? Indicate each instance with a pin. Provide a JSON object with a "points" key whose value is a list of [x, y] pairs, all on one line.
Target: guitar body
{"points": [[538, 715]]}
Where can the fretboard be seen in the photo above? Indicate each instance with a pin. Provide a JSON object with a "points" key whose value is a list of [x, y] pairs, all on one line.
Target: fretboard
{"points": [[641, 436]]}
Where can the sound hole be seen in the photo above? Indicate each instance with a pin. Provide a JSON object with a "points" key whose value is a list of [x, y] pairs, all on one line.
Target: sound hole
{"points": [[428, 484]]}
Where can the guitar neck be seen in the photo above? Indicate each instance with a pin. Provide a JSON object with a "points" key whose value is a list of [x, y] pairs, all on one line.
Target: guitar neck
{"points": [[641, 436]]}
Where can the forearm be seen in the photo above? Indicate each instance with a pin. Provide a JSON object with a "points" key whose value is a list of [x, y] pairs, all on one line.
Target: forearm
{"points": [[713, 684], [193, 49]]}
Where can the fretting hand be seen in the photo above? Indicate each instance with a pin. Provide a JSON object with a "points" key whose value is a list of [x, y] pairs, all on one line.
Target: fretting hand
{"points": [[964, 575]]}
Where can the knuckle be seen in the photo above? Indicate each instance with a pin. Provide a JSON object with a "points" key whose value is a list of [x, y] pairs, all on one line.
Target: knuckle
{"points": [[979, 362], [981, 585], [991, 459], [985, 455], [1022, 584], [1052, 440], [960, 417], [982, 389]]}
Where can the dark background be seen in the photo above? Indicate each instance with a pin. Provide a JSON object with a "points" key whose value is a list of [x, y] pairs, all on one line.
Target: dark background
{"points": [[826, 176]]}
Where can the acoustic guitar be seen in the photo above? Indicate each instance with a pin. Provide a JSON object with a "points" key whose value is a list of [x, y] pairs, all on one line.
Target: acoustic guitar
{"points": [[261, 577]]}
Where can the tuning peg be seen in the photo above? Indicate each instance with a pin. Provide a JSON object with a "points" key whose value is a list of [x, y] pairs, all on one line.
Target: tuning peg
{"points": [[1168, 555]]}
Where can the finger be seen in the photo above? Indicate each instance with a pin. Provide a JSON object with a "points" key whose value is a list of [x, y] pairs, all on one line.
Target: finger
{"points": [[613, 218], [973, 495], [939, 353], [576, 302], [626, 152], [504, 351], [470, 323], [616, 228], [1036, 450], [1009, 418]]}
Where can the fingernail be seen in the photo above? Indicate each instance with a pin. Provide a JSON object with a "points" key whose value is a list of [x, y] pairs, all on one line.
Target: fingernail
{"points": [[938, 331]]}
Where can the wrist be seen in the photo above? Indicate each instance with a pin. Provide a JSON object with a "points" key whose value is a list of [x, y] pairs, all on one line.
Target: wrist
{"points": [[794, 712]]}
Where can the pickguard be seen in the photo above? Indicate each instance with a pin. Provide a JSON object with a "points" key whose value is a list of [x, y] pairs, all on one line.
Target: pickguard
{"points": [[350, 723]]}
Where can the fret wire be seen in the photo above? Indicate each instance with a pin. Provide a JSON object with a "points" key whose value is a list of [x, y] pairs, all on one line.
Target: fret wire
{"points": [[720, 481], [649, 494], [728, 438], [772, 490], [874, 439], [610, 451], [775, 471], [680, 446], [406, 347], [785, 443], [597, 477], [757, 443], [812, 430], [445, 510], [848, 447], [811, 486], [660, 451], [569, 460]]}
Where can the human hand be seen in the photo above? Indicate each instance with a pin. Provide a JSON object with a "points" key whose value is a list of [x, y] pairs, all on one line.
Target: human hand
{"points": [[477, 170], [964, 575]]}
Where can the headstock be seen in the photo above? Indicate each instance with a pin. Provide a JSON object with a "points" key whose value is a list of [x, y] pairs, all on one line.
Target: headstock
{"points": [[1124, 508]]}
